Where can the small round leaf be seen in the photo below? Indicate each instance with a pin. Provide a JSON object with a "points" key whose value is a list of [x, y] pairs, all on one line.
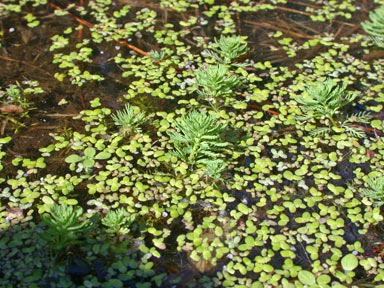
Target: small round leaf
{"points": [[349, 262], [306, 277], [73, 158]]}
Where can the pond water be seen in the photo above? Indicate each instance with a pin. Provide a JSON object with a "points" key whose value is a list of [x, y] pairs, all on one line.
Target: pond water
{"points": [[222, 172]]}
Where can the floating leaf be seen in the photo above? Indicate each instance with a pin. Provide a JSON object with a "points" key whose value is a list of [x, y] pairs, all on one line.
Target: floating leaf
{"points": [[90, 152], [349, 262], [323, 279], [88, 163], [306, 277], [73, 158], [47, 200], [243, 208], [218, 231], [102, 155]]}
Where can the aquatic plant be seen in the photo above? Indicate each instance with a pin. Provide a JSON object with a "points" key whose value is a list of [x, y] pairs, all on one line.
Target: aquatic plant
{"points": [[227, 49], [326, 99], [87, 160], [118, 221], [375, 27], [17, 94], [15, 99], [157, 55], [375, 190], [277, 222], [65, 226], [199, 140], [215, 81], [69, 62], [130, 118], [214, 169]]}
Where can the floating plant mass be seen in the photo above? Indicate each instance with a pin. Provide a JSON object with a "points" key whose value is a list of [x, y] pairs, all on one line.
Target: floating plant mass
{"points": [[191, 144]]}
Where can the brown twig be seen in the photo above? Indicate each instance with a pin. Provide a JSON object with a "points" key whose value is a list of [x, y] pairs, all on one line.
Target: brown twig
{"points": [[374, 130], [253, 106], [293, 11], [353, 30], [36, 57], [270, 26], [305, 4], [60, 115], [309, 14], [373, 56], [25, 63], [80, 32], [82, 101], [300, 24], [339, 31], [43, 128], [138, 50], [3, 125], [238, 23]]}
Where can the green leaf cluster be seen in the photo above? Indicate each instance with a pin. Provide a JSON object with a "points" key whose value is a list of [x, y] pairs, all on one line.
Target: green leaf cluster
{"points": [[157, 55], [325, 100], [376, 191], [214, 169], [199, 140], [64, 226], [129, 119], [375, 27], [215, 81], [118, 221], [88, 158], [227, 49]]}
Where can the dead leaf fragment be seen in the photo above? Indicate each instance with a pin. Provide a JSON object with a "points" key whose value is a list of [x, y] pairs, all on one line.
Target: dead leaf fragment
{"points": [[12, 109]]}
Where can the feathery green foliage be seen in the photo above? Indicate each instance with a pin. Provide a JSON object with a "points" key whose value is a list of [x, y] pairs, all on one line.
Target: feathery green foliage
{"points": [[349, 125], [64, 226], [228, 48], [157, 55], [118, 221], [377, 190], [199, 141], [325, 100], [129, 119], [215, 168], [215, 81], [375, 27]]}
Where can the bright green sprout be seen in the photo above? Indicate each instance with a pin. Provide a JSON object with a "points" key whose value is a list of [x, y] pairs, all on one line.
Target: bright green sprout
{"points": [[16, 94], [215, 169], [215, 81], [377, 190], [199, 141], [375, 27], [229, 48], [129, 119], [117, 222], [64, 226], [325, 101], [157, 55]]}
